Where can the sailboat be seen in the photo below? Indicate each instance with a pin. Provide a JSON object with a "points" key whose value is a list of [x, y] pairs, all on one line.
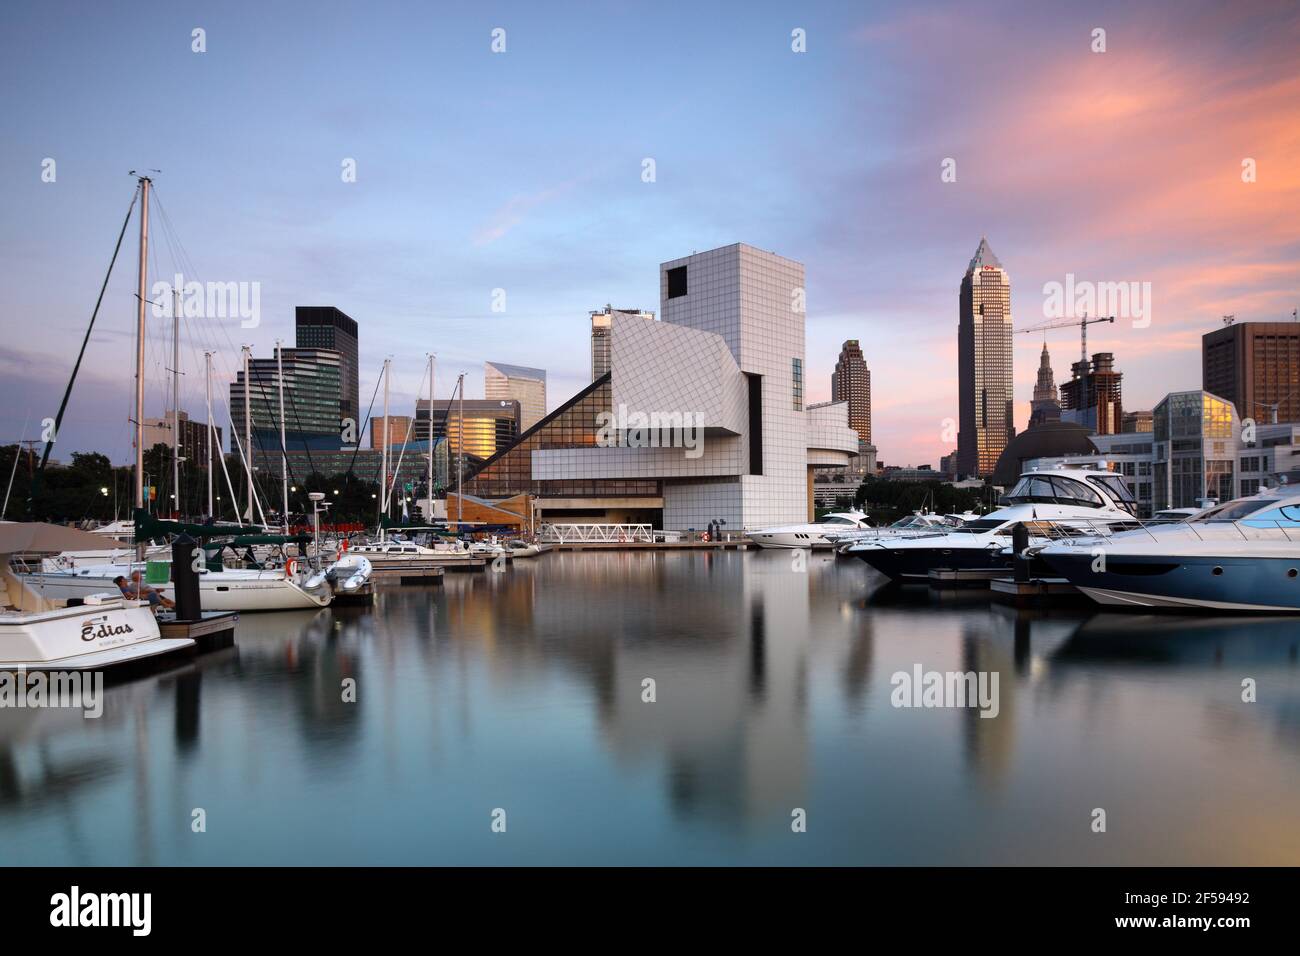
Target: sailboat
{"points": [[293, 585]]}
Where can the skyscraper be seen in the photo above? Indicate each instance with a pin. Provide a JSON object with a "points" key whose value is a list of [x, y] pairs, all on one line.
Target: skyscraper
{"points": [[1046, 405], [1256, 366], [311, 400], [527, 386], [851, 382], [325, 327], [1094, 395], [986, 411]]}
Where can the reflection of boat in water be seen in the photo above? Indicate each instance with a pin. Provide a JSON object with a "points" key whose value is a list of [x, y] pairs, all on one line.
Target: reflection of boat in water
{"points": [[1180, 639]]}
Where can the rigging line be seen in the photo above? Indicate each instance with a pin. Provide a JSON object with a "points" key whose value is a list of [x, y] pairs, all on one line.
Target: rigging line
{"points": [[284, 451], [63, 406], [357, 448], [298, 421], [410, 426]]}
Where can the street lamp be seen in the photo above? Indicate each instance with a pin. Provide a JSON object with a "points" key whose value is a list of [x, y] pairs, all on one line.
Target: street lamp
{"points": [[316, 498]]}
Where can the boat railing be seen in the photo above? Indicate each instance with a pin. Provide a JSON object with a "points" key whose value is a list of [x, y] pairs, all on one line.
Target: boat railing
{"points": [[1087, 530]]}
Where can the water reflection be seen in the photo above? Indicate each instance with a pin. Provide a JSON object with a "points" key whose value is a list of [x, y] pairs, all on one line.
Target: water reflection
{"points": [[525, 690]]}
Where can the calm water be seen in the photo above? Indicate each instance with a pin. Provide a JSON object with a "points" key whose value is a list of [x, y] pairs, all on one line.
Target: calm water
{"points": [[522, 691]]}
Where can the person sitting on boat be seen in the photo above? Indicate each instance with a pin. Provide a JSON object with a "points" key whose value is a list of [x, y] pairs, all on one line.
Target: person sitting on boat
{"points": [[145, 592], [123, 587]]}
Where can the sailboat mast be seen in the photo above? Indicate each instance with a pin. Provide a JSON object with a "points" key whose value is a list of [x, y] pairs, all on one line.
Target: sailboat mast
{"points": [[460, 454], [176, 399], [383, 478], [145, 183], [248, 434], [207, 387], [284, 457], [428, 516]]}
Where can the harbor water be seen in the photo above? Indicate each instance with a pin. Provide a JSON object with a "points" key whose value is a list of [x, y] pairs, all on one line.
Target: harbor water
{"points": [[676, 708]]}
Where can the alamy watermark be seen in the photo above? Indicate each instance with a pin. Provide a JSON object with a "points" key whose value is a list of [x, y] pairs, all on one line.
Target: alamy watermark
{"points": [[1073, 299], [208, 300], [20, 690], [624, 429], [921, 688]]}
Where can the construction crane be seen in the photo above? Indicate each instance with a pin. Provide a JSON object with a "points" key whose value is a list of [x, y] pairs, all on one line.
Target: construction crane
{"points": [[1083, 324]]}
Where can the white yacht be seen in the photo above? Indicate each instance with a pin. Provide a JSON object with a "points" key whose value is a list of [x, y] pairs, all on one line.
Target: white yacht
{"points": [[1051, 503], [394, 552], [1239, 556], [813, 535], [36, 634], [908, 524]]}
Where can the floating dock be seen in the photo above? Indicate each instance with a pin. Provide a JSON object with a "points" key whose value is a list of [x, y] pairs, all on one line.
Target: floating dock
{"points": [[418, 572], [1034, 591], [213, 629], [363, 596], [946, 578]]}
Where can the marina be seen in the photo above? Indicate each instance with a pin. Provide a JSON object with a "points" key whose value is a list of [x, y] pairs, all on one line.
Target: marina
{"points": [[524, 691]]}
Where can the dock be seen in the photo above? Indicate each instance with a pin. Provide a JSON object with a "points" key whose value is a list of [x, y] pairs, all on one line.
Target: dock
{"points": [[1034, 592], [417, 572], [946, 578], [363, 596], [213, 629]]}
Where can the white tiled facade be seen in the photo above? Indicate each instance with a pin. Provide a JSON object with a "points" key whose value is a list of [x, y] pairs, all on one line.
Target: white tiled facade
{"points": [[740, 320]]}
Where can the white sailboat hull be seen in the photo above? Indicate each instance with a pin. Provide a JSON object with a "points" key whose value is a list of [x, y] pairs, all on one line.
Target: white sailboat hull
{"points": [[262, 591]]}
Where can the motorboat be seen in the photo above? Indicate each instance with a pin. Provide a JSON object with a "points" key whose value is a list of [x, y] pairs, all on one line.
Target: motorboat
{"points": [[349, 574], [518, 548], [1240, 556], [919, 521], [395, 552], [1051, 503], [813, 535], [103, 630]]}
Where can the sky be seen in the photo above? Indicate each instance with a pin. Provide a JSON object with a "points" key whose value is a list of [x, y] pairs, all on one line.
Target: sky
{"points": [[522, 171]]}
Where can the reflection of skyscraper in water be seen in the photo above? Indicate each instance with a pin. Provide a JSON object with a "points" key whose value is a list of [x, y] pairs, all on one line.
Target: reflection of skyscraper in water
{"points": [[990, 741], [729, 717]]}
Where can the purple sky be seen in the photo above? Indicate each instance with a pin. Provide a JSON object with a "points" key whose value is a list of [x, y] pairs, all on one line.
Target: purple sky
{"points": [[522, 171]]}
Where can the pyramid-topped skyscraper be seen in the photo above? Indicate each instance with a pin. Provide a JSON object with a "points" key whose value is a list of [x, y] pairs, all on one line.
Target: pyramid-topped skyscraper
{"points": [[984, 369]]}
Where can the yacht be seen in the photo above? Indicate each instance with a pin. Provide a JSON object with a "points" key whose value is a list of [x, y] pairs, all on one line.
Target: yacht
{"points": [[395, 552], [36, 634], [1240, 556], [916, 522], [1051, 503], [810, 535]]}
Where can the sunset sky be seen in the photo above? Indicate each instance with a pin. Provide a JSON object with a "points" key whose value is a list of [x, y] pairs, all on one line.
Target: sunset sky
{"points": [[522, 171]]}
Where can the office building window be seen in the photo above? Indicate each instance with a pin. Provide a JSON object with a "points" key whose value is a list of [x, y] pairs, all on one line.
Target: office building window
{"points": [[797, 372]]}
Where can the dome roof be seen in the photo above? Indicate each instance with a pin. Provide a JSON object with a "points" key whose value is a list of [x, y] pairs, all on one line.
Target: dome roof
{"points": [[1050, 439]]}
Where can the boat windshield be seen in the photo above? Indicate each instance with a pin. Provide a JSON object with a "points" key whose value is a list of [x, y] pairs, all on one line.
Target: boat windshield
{"points": [[979, 526], [1256, 511], [1053, 490], [837, 519], [1117, 487]]}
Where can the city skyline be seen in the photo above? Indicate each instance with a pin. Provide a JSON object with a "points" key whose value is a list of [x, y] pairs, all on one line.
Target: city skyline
{"points": [[434, 222]]}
